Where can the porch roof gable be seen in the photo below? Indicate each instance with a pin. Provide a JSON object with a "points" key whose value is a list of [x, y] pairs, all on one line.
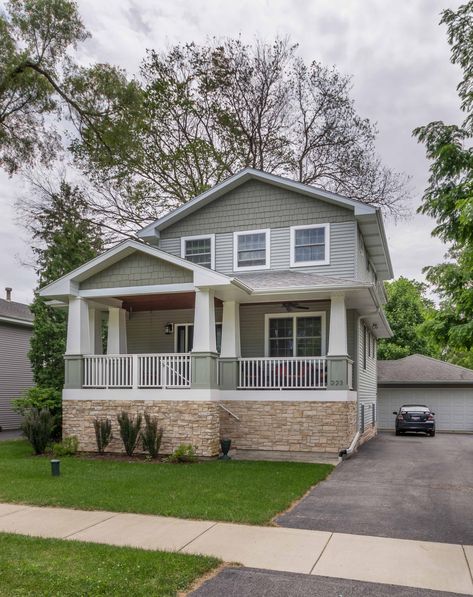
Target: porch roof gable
{"points": [[69, 284]]}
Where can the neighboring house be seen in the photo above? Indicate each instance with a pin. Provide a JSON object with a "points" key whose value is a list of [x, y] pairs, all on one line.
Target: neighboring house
{"points": [[445, 388], [251, 312], [16, 323]]}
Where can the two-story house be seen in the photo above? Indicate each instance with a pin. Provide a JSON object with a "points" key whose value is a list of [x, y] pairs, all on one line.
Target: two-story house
{"points": [[251, 312]]}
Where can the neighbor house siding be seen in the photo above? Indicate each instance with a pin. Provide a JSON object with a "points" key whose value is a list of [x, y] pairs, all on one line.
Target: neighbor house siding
{"points": [[15, 371], [138, 269], [366, 377]]}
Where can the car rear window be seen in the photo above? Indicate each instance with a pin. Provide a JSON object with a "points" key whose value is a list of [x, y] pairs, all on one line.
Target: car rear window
{"points": [[416, 409]]}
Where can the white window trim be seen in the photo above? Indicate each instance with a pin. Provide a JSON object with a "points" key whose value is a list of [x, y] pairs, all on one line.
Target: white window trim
{"points": [[200, 237], [236, 267], [186, 324], [295, 316], [325, 261]]}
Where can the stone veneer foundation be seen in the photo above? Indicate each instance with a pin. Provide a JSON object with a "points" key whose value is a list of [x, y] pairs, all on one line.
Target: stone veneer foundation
{"points": [[307, 426], [289, 426], [183, 422]]}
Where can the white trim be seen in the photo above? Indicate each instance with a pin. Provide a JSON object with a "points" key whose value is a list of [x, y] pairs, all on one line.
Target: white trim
{"points": [[199, 237], [137, 290], [321, 314], [198, 395], [155, 394], [236, 235], [325, 261], [289, 395]]}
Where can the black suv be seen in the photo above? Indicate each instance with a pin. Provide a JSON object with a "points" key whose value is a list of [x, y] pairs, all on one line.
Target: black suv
{"points": [[415, 417]]}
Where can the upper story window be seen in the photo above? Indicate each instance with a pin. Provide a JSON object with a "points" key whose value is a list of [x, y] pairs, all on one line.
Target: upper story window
{"points": [[310, 245], [251, 250], [199, 250]]}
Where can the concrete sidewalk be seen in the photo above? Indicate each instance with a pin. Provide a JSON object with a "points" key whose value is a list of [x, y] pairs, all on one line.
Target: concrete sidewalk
{"points": [[420, 564]]}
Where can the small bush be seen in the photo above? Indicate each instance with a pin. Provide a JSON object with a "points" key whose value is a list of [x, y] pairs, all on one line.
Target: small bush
{"points": [[68, 447], [38, 427], [41, 398], [151, 436], [129, 431], [103, 433], [183, 453]]}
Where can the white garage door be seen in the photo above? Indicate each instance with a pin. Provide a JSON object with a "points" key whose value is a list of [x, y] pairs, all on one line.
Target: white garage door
{"points": [[453, 407]]}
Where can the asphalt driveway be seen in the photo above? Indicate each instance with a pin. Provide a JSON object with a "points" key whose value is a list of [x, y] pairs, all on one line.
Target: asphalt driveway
{"points": [[407, 487]]}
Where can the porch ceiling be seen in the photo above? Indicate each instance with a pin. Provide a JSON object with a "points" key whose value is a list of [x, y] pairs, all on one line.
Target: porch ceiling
{"points": [[161, 302]]}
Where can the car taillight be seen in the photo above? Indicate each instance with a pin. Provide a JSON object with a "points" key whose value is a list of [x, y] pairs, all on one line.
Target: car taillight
{"points": [[430, 418], [400, 418]]}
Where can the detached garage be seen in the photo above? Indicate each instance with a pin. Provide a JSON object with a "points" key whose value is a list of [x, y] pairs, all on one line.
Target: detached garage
{"points": [[445, 388]]}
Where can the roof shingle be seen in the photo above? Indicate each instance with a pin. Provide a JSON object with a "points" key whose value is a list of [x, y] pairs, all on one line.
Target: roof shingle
{"points": [[418, 369], [14, 310]]}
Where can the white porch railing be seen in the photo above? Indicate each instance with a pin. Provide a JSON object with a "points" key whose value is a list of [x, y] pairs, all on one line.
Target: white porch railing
{"points": [[137, 371], [302, 373]]}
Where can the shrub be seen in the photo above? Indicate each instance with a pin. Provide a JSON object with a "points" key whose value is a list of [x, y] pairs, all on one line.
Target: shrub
{"points": [[151, 436], [38, 427], [129, 431], [183, 453], [103, 433], [42, 398], [68, 447]]}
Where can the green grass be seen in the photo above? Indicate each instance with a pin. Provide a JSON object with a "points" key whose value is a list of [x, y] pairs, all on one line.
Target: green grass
{"points": [[236, 491], [30, 566]]}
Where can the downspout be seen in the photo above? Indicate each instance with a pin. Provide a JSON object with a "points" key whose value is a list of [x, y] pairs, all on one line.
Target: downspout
{"points": [[346, 453]]}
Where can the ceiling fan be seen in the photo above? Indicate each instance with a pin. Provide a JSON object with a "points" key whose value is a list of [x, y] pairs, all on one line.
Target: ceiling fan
{"points": [[293, 306]]}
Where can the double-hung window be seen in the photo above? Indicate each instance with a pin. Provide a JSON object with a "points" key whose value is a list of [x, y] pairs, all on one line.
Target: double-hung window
{"points": [[310, 245], [298, 335], [251, 250], [199, 250]]}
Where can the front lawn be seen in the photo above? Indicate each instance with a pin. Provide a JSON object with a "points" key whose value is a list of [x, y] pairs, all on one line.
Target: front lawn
{"points": [[235, 491], [30, 566]]}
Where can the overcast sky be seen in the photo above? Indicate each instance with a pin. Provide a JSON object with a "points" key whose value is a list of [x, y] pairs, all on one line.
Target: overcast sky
{"points": [[395, 51]]}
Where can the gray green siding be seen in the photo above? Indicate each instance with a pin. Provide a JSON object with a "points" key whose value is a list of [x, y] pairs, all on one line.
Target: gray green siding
{"points": [[257, 205], [145, 329], [15, 371], [138, 269]]}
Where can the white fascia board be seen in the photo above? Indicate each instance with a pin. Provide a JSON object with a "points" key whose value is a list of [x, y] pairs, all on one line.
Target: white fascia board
{"points": [[136, 290], [239, 178], [68, 284]]}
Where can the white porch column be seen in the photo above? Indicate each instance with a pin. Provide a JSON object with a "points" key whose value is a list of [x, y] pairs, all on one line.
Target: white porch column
{"points": [[337, 339], [95, 331], [116, 341], [204, 321], [230, 330], [78, 333]]}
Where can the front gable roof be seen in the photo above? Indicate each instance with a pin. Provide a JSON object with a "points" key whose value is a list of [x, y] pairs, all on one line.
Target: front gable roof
{"points": [[369, 218], [70, 283]]}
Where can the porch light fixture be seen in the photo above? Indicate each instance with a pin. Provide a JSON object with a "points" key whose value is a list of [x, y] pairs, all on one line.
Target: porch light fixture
{"points": [[168, 329]]}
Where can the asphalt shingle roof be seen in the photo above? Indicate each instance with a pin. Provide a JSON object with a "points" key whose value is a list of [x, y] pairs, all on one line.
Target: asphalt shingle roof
{"points": [[292, 279], [419, 369], [15, 310]]}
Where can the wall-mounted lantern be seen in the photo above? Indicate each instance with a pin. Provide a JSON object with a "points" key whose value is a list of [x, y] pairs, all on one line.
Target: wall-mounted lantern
{"points": [[168, 329]]}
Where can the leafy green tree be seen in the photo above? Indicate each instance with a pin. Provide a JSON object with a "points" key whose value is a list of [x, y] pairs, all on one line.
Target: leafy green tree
{"points": [[407, 310], [449, 199], [63, 238], [35, 39], [199, 113]]}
